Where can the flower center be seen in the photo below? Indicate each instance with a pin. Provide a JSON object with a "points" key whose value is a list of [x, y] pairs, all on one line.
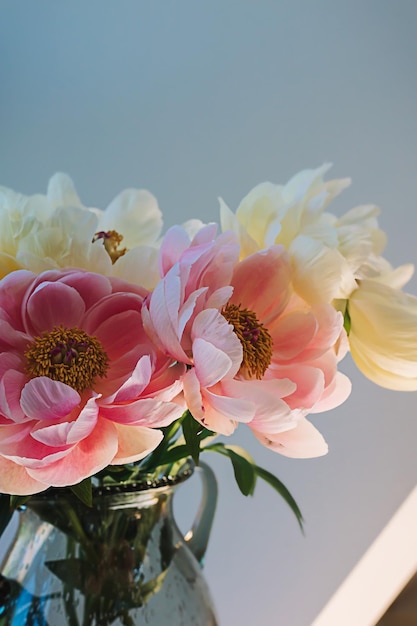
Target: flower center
{"points": [[255, 339], [111, 241], [68, 355]]}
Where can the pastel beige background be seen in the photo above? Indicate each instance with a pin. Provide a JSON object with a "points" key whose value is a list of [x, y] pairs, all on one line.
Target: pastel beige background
{"points": [[193, 100]]}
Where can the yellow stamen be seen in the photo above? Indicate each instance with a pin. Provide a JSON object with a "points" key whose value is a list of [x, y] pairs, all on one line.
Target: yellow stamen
{"points": [[111, 241], [255, 339], [68, 355]]}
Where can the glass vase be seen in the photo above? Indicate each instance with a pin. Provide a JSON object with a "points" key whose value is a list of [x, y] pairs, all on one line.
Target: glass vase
{"points": [[122, 562]]}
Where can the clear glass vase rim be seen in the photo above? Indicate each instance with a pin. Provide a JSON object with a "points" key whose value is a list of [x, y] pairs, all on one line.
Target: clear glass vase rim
{"points": [[146, 485]]}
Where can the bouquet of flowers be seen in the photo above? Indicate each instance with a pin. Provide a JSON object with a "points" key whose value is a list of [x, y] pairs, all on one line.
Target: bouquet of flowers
{"points": [[124, 352]]}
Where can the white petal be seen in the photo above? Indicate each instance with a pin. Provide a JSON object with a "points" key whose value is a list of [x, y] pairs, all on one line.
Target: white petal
{"points": [[320, 273], [134, 213], [61, 192]]}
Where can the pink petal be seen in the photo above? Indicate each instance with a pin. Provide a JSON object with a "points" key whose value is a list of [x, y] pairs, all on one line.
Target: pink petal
{"points": [[15, 480], [272, 414], [309, 382], [210, 264], [205, 235], [213, 408], [53, 435], [335, 394], [53, 304], [143, 412], [219, 298], [224, 409], [11, 386], [292, 334], [45, 399], [137, 382], [166, 383], [117, 374], [262, 283], [108, 308], [35, 455], [12, 339], [302, 442], [217, 415], [91, 287], [68, 433], [135, 442], [85, 459], [192, 394], [161, 319], [211, 328], [211, 364], [188, 308], [12, 289], [174, 243], [9, 361], [120, 333], [12, 435], [330, 326]]}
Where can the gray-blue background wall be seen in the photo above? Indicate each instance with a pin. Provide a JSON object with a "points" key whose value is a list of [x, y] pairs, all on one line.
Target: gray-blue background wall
{"points": [[193, 100]]}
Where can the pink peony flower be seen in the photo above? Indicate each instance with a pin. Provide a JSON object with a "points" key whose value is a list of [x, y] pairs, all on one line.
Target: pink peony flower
{"points": [[306, 344], [196, 276], [81, 384], [258, 354]]}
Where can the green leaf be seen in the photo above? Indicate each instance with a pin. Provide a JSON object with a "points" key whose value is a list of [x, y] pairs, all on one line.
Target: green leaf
{"points": [[84, 491], [243, 466], [176, 454], [73, 572], [16, 501], [6, 512], [346, 321], [156, 458], [192, 431], [276, 484], [246, 471]]}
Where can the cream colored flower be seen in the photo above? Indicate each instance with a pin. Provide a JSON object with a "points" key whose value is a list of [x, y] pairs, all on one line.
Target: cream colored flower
{"points": [[328, 254], [56, 230], [383, 332]]}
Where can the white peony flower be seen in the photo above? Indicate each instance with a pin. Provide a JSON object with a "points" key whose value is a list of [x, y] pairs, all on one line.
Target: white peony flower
{"points": [[56, 230], [383, 332], [328, 254]]}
